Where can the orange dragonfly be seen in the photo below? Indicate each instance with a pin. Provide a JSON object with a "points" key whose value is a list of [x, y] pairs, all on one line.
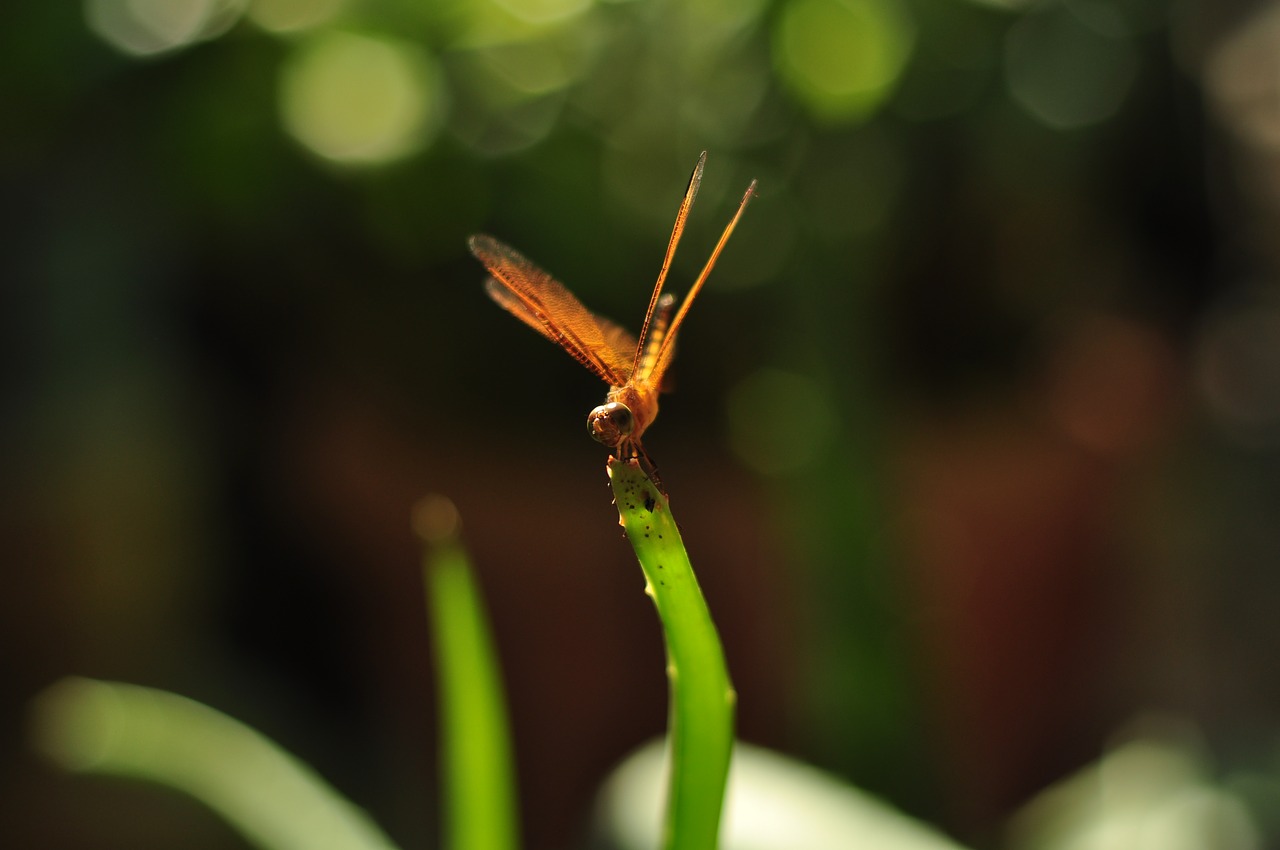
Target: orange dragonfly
{"points": [[633, 369]]}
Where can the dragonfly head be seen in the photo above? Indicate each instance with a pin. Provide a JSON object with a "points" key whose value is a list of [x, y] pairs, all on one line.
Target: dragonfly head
{"points": [[611, 423]]}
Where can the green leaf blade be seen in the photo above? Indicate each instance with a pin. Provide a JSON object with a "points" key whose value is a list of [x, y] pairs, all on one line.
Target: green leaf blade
{"points": [[702, 699]]}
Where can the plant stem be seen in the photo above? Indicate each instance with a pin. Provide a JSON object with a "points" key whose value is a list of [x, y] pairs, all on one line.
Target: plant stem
{"points": [[700, 739], [475, 741]]}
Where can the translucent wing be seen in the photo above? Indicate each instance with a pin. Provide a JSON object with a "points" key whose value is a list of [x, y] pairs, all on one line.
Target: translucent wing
{"points": [[542, 303], [657, 365], [682, 215]]}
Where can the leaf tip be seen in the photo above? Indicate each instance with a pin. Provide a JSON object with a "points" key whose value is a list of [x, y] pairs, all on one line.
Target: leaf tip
{"points": [[435, 519]]}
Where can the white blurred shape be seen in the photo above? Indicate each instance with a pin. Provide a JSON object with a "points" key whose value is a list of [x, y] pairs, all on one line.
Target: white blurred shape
{"points": [[773, 803], [1242, 75], [147, 27], [1149, 794]]}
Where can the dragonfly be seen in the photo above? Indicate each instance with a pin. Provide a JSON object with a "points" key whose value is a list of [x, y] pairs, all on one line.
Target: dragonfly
{"points": [[635, 369]]}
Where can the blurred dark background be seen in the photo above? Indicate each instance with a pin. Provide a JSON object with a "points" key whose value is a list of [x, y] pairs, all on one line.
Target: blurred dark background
{"points": [[974, 438]]}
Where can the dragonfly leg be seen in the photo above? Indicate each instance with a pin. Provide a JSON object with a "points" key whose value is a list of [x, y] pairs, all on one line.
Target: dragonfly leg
{"points": [[633, 453], [648, 467]]}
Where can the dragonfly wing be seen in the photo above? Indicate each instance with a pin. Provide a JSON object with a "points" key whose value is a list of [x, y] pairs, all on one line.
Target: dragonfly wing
{"points": [[618, 339], [682, 215], [656, 367], [623, 344], [542, 303]]}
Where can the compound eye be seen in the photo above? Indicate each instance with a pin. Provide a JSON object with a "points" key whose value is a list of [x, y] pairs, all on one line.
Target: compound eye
{"points": [[611, 423], [620, 416]]}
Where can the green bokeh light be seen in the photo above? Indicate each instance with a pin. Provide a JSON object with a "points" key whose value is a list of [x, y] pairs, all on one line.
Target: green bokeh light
{"points": [[780, 421], [292, 15], [544, 11], [1067, 72], [361, 99], [842, 58]]}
